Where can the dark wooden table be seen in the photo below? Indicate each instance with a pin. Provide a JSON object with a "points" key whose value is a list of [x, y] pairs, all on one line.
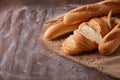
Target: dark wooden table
{"points": [[22, 56]]}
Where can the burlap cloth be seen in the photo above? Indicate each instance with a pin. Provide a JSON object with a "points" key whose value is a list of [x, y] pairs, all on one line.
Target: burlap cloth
{"points": [[109, 65]]}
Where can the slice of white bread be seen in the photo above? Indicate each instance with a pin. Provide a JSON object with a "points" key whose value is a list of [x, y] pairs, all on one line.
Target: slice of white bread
{"points": [[87, 37]]}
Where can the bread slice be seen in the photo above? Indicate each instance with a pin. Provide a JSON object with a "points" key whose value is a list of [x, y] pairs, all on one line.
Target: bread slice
{"points": [[86, 38], [89, 32]]}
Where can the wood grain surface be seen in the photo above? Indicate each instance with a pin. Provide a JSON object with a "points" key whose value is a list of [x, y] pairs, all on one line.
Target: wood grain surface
{"points": [[22, 56]]}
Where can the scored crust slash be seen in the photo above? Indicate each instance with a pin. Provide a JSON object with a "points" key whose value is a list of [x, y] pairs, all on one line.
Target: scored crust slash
{"points": [[92, 28]]}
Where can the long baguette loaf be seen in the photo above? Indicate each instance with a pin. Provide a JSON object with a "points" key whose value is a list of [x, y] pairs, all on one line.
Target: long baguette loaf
{"points": [[59, 29], [84, 13], [110, 42]]}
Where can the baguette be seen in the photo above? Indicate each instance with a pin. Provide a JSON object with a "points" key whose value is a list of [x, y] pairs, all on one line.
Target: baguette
{"points": [[110, 42], [86, 12], [59, 29]]}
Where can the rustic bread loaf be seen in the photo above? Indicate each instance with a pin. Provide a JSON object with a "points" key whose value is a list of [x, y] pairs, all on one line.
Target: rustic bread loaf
{"points": [[86, 12], [110, 42], [59, 29]]}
